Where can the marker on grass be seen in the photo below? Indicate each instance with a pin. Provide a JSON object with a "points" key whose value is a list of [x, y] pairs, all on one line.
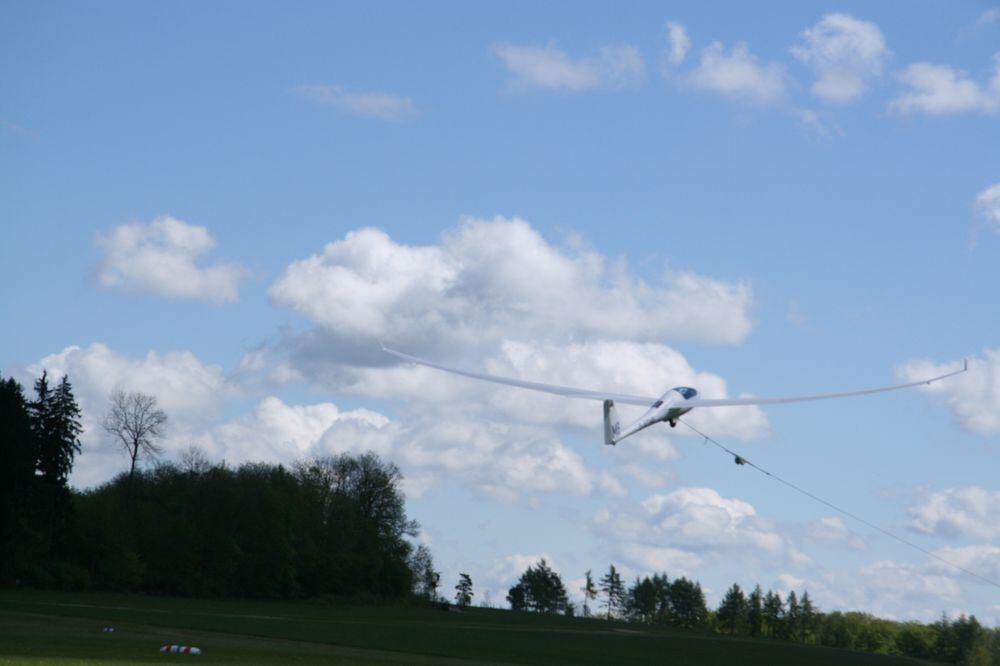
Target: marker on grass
{"points": [[180, 649]]}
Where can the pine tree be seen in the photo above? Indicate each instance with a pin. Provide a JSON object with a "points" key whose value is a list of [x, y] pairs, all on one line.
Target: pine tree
{"points": [[774, 613], [55, 421], [793, 617], [755, 611], [641, 600], [589, 593], [807, 618], [664, 607], [40, 411], [688, 603], [17, 480], [540, 589], [57, 454], [614, 590], [733, 610]]}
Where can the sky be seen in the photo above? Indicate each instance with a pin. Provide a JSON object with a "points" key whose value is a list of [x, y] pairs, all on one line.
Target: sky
{"points": [[227, 205]]}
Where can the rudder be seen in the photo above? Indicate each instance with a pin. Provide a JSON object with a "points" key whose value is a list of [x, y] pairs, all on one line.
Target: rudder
{"points": [[612, 424]]}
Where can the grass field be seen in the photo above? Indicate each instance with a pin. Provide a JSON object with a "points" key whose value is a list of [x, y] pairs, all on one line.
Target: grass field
{"points": [[61, 628]]}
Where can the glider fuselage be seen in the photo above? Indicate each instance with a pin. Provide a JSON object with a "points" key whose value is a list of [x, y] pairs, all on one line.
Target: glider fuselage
{"points": [[669, 407]]}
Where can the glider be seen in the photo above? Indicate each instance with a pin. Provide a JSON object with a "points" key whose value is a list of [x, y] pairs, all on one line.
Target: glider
{"points": [[668, 407]]}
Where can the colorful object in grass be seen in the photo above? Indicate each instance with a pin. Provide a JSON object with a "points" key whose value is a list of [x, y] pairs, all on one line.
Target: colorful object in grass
{"points": [[180, 649], [108, 630]]}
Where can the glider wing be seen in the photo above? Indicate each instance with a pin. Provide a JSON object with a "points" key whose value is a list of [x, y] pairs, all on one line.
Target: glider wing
{"points": [[730, 402], [534, 386]]}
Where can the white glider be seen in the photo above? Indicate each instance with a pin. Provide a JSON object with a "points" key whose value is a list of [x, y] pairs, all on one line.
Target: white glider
{"points": [[668, 407]]}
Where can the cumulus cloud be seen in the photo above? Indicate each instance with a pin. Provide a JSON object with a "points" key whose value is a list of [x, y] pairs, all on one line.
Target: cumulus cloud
{"points": [[277, 432], [844, 53], [983, 560], [549, 68], [940, 90], [897, 581], [988, 205], [507, 462], [738, 75], [834, 530], [969, 511], [369, 104], [191, 392], [160, 258], [678, 43], [973, 397], [489, 278], [679, 530]]}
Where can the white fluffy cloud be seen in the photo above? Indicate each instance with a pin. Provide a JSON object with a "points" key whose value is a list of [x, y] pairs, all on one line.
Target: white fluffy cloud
{"points": [[844, 52], [983, 560], [833, 529], [970, 511], [489, 279], [550, 68], [738, 75], [897, 581], [160, 258], [191, 392], [988, 205], [695, 522], [505, 461], [277, 432], [181, 382], [941, 90], [973, 396], [371, 104], [678, 43]]}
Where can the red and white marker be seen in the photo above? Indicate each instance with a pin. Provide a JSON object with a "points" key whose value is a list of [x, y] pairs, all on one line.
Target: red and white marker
{"points": [[181, 649]]}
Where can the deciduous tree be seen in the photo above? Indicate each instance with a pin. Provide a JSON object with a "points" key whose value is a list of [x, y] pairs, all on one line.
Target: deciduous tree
{"points": [[136, 423]]}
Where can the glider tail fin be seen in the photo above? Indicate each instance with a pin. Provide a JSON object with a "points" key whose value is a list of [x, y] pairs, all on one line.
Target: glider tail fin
{"points": [[612, 424]]}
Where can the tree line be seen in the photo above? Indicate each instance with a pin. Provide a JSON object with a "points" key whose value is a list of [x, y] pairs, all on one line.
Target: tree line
{"points": [[39, 438], [656, 600], [329, 526]]}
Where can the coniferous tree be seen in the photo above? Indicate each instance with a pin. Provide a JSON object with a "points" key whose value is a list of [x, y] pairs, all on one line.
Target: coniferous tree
{"points": [[664, 604], [755, 612], [17, 477], [641, 600], [688, 603], [793, 617], [613, 589], [807, 618], [540, 589], [55, 419], [57, 453], [732, 611], [517, 598], [589, 593], [774, 613], [463, 591]]}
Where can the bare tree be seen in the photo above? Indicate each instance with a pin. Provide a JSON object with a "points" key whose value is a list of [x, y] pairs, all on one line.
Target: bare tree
{"points": [[136, 423]]}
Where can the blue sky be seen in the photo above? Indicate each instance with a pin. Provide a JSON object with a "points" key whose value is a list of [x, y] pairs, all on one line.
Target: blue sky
{"points": [[227, 204]]}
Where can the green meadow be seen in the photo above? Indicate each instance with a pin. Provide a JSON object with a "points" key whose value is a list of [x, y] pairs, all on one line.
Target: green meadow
{"points": [[66, 628]]}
